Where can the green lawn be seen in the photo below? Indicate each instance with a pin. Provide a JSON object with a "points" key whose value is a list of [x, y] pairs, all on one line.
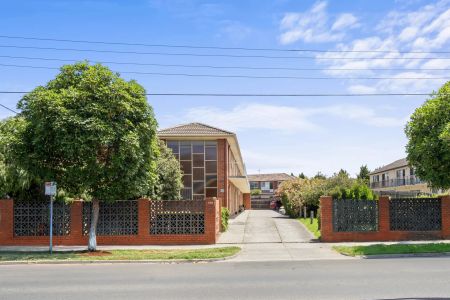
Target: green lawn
{"points": [[314, 227], [121, 255], [393, 249]]}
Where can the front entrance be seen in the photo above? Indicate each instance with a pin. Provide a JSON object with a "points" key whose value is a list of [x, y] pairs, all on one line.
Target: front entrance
{"points": [[264, 226]]}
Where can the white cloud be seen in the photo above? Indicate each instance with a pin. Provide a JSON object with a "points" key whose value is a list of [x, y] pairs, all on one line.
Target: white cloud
{"points": [[315, 25], [345, 21], [294, 119], [391, 46]]}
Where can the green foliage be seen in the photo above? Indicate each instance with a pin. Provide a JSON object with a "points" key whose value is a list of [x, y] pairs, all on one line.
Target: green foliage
{"points": [[302, 176], [319, 175], [225, 215], [91, 131], [298, 193], [169, 175], [13, 178], [364, 173], [428, 132], [255, 192]]}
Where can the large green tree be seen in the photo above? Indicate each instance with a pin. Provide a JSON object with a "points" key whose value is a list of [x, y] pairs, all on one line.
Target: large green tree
{"points": [[364, 173], [428, 132], [169, 176], [92, 132]]}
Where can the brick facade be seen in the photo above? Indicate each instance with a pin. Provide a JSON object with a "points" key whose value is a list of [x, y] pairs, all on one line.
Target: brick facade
{"points": [[384, 233], [247, 201], [76, 237]]}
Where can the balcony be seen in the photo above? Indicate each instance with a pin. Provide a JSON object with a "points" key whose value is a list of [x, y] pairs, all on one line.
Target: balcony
{"points": [[412, 180]]}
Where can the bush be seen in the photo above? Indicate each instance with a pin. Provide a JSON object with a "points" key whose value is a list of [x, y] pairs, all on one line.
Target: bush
{"points": [[256, 192], [225, 216]]}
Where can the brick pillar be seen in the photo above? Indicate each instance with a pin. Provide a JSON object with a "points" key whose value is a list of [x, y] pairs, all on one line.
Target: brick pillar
{"points": [[212, 213], [6, 221], [143, 218], [247, 201], [326, 218], [384, 224], [76, 222], [445, 209], [222, 171]]}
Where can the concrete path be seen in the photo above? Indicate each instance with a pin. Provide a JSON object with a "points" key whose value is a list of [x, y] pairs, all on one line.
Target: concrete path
{"points": [[264, 226], [265, 235]]}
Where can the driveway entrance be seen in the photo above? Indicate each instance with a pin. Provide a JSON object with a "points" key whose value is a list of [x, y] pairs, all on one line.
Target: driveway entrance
{"points": [[266, 235], [264, 226]]}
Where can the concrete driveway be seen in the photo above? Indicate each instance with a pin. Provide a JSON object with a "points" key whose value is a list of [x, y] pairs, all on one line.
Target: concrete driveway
{"points": [[265, 235], [264, 226]]}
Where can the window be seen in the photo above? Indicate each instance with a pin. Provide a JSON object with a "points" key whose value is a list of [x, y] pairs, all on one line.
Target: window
{"points": [[254, 185], [198, 160], [266, 185]]}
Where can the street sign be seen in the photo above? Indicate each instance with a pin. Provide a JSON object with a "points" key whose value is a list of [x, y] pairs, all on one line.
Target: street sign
{"points": [[50, 188]]}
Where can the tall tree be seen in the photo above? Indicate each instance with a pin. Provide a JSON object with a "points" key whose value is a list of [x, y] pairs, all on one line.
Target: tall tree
{"points": [[319, 175], [363, 173], [428, 132], [92, 132], [302, 176], [169, 176]]}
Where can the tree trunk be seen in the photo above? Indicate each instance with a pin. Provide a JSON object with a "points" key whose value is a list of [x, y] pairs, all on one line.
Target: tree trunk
{"points": [[92, 245]]}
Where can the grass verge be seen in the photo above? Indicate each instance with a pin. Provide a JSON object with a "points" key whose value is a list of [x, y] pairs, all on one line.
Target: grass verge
{"points": [[379, 249], [314, 227], [209, 253]]}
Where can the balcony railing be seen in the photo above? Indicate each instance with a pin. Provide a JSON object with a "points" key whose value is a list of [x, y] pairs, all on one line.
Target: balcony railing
{"points": [[412, 180]]}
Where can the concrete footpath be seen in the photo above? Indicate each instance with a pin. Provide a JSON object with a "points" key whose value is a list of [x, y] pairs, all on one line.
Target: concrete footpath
{"points": [[265, 235]]}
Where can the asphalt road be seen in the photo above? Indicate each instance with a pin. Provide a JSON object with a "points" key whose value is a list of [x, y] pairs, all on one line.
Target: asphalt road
{"points": [[412, 278]]}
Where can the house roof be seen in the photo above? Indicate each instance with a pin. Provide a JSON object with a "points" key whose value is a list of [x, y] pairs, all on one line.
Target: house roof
{"points": [[204, 131], [394, 165], [270, 177], [193, 129]]}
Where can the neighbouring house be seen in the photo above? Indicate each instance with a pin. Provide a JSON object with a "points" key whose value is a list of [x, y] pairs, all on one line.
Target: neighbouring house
{"points": [[212, 164], [267, 184], [398, 178]]}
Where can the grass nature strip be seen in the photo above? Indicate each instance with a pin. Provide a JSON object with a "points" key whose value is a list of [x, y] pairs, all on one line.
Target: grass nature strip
{"points": [[175, 254], [380, 249], [313, 228]]}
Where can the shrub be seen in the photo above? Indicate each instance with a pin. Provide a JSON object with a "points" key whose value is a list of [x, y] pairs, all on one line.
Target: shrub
{"points": [[225, 216], [255, 192]]}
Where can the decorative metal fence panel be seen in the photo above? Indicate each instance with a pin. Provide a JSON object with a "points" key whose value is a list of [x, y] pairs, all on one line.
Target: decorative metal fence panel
{"points": [[415, 214], [355, 215], [177, 217], [33, 218], [117, 218]]}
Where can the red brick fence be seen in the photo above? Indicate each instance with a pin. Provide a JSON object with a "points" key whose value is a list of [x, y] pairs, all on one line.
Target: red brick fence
{"points": [[133, 222], [385, 219]]}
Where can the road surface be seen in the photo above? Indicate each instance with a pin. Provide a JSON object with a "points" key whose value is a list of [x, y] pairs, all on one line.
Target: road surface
{"points": [[411, 278]]}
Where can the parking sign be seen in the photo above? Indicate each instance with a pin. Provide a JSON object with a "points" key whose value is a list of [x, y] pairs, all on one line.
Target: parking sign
{"points": [[50, 188]]}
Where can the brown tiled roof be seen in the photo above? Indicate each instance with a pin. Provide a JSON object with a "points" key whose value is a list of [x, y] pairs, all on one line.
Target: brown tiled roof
{"points": [[193, 129], [394, 165], [270, 177]]}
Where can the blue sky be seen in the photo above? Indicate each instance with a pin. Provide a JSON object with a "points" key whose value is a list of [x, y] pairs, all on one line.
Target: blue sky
{"points": [[276, 134]]}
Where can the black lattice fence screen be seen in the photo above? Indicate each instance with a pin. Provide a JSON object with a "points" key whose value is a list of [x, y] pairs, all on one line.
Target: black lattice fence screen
{"points": [[355, 215], [415, 214], [116, 218], [33, 218], [177, 217]]}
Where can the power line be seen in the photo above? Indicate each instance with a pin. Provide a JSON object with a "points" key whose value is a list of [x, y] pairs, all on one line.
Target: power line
{"points": [[216, 55], [244, 76], [224, 67], [10, 109], [216, 47], [268, 95]]}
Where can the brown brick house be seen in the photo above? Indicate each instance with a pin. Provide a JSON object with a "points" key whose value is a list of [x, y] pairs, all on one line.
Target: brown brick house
{"points": [[212, 164], [268, 184]]}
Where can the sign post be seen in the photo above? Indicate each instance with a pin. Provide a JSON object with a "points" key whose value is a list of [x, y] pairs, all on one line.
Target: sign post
{"points": [[50, 190]]}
